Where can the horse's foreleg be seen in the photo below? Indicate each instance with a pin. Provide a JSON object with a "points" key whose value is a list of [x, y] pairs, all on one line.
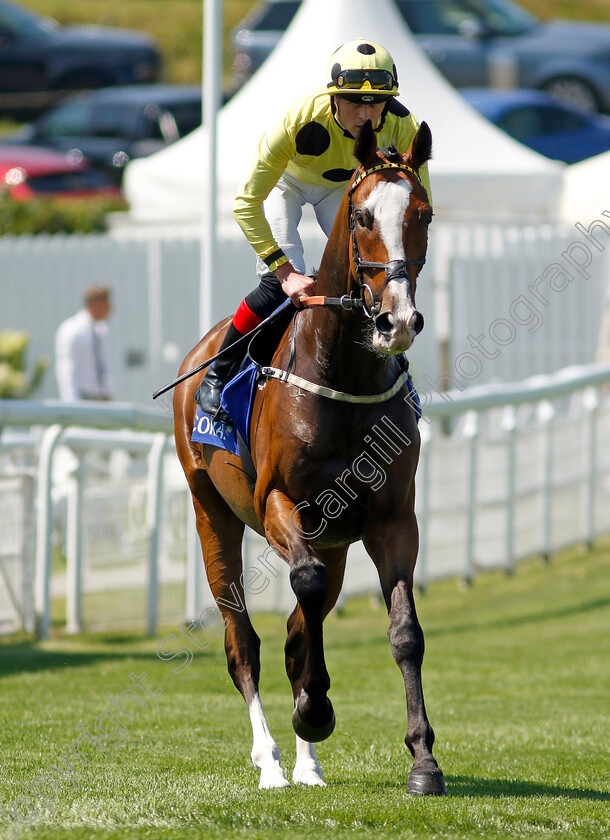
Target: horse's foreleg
{"points": [[307, 770], [394, 551], [313, 717], [221, 532]]}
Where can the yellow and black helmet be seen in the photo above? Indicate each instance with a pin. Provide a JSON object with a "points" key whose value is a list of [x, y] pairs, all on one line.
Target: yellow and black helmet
{"points": [[364, 70]]}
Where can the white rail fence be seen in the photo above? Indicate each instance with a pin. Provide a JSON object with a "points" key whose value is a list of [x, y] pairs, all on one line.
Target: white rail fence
{"points": [[98, 529]]}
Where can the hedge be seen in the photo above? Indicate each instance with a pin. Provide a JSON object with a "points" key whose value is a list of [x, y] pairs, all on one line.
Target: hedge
{"points": [[56, 215]]}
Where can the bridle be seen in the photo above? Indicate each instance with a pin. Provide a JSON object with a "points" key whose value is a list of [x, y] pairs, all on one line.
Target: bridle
{"points": [[394, 269]]}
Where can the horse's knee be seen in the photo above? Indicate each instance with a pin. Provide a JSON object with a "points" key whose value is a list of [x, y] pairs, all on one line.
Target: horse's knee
{"points": [[405, 634], [309, 583]]}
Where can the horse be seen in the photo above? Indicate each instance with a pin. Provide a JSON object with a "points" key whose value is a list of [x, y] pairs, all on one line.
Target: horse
{"points": [[337, 384]]}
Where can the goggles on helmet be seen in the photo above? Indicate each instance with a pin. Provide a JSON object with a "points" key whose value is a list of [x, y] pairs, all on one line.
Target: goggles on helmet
{"points": [[372, 79]]}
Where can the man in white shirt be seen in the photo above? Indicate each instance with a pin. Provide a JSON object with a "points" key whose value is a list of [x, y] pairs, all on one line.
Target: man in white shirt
{"points": [[81, 351]]}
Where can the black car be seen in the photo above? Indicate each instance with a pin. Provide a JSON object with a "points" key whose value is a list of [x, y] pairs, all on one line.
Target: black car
{"points": [[113, 125], [39, 59]]}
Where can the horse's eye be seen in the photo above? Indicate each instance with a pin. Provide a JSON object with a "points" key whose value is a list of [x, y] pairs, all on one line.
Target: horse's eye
{"points": [[364, 218]]}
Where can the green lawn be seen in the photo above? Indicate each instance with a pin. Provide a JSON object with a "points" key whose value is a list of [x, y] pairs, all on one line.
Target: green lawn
{"points": [[517, 681]]}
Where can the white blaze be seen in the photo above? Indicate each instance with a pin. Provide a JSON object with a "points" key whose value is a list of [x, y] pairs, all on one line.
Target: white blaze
{"points": [[388, 204]]}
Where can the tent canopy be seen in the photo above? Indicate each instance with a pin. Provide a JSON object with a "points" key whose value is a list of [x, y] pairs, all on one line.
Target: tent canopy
{"points": [[476, 169]]}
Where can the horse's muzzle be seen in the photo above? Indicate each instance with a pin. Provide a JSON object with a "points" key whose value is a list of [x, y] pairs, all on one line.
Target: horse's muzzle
{"points": [[396, 335]]}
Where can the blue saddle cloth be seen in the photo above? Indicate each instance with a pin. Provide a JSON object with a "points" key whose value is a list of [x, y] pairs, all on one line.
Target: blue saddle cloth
{"points": [[237, 400], [218, 434]]}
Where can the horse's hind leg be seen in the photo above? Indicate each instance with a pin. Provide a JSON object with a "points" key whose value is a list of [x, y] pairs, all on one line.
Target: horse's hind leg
{"points": [[393, 547], [220, 532], [307, 770]]}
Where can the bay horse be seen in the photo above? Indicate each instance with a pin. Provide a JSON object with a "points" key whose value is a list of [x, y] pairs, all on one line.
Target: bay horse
{"points": [[347, 388]]}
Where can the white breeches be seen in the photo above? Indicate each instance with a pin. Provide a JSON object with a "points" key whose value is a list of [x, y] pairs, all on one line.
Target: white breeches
{"points": [[284, 208]]}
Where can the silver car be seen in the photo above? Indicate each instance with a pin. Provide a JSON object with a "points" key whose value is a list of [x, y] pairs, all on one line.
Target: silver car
{"points": [[489, 43]]}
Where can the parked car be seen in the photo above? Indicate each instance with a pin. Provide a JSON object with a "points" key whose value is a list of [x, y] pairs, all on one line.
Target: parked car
{"points": [[113, 125], [39, 59], [546, 124], [473, 43], [29, 172]]}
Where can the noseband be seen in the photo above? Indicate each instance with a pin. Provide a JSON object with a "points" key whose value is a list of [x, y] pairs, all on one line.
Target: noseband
{"points": [[394, 269]]}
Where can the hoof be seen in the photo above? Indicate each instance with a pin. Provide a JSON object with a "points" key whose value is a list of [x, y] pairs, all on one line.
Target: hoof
{"points": [[426, 783], [310, 733], [311, 776]]}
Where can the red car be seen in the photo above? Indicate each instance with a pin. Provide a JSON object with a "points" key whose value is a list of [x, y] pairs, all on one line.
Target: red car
{"points": [[31, 172]]}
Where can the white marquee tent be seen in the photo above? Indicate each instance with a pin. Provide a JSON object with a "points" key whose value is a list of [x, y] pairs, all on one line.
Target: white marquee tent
{"points": [[586, 190], [477, 170]]}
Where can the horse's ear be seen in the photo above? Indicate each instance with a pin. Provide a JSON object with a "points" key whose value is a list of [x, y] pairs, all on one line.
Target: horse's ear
{"points": [[420, 149], [365, 147]]}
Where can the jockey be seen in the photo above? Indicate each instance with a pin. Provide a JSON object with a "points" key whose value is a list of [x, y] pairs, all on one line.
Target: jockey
{"points": [[306, 158]]}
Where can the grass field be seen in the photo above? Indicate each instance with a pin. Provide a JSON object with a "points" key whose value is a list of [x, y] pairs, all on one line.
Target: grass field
{"points": [[517, 681]]}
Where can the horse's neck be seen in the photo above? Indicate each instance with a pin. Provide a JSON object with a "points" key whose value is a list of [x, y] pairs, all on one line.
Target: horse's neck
{"points": [[337, 341]]}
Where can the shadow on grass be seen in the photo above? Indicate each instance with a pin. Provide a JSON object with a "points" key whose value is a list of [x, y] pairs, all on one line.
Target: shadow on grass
{"points": [[336, 642], [27, 657], [520, 620], [464, 786]]}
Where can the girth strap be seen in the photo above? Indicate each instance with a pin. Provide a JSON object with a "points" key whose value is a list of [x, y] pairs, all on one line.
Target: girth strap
{"points": [[341, 396]]}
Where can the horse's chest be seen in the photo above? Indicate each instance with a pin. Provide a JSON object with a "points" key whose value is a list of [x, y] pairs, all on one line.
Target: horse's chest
{"points": [[338, 491]]}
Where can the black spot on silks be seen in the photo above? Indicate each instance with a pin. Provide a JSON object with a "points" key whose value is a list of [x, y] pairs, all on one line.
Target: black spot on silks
{"points": [[338, 175], [366, 49], [312, 139], [397, 108]]}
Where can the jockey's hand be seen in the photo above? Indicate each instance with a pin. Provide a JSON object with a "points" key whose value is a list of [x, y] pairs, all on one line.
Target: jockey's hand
{"points": [[295, 285]]}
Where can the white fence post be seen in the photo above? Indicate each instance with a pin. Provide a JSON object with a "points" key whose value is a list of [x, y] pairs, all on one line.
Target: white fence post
{"points": [[591, 406], [74, 550], [44, 530], [546, 414], [29, 553], [155, 520], [471, 433], [509, 424]]}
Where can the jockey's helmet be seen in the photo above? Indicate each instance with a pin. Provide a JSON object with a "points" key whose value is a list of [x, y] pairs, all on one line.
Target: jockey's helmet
{"points": [[364, 70]]}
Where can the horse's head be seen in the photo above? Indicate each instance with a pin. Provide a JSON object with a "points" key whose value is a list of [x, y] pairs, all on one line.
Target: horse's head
{"points": [[390, 214]]}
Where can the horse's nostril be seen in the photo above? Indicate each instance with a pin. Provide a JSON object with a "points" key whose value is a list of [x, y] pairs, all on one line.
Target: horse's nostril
{"points": [[385, 322], [418, 323]]}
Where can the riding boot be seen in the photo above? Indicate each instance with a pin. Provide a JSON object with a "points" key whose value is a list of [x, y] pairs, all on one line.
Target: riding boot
{"points": [[219, 373]]}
